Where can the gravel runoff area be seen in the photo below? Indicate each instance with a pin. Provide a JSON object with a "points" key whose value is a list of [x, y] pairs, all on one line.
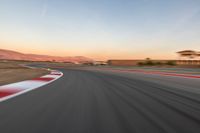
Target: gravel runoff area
{"points": [[11, 72]]}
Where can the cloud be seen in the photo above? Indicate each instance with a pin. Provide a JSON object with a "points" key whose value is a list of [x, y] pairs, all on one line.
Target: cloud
{"points": [[44, 9]]}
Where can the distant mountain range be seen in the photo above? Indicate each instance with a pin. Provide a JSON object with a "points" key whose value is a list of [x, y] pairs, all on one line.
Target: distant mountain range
{"points": [[13, 55]]}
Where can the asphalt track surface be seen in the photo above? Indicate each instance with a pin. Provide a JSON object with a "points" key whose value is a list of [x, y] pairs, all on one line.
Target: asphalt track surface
{"points": [[84, 101]]}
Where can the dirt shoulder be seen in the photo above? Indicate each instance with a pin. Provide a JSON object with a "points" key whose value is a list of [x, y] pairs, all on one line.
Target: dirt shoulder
{"points": [[11, 72]]}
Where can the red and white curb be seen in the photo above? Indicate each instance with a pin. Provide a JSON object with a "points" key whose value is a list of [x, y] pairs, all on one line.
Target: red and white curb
{"points": [[15, 89]]}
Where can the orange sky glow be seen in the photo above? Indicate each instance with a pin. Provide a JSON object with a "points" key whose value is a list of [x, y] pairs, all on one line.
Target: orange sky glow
{"points": [[134, 29]]}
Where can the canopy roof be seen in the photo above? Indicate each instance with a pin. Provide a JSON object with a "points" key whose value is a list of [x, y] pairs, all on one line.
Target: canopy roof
{"points": [[189, 53], [186, 52]]}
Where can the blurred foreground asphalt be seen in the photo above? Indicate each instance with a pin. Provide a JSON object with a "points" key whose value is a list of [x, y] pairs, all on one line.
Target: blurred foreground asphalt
{"points": [[84, 101]]}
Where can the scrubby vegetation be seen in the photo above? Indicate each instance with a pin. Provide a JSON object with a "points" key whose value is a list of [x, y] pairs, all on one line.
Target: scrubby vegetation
{"points": [[171, 63], [149, 62]]}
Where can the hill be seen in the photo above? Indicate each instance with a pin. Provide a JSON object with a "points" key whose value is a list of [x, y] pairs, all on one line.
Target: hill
{"points": [[13, 55]]}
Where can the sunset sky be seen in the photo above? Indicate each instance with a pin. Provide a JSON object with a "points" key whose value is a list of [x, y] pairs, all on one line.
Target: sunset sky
{"points": [[101, 29]]}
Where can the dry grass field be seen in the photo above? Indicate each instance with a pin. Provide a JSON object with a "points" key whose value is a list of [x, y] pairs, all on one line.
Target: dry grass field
{"points": [[13, 72]]}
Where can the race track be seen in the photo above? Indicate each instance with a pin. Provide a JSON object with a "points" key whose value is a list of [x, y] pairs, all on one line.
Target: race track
{"points": [[91, 101]]}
